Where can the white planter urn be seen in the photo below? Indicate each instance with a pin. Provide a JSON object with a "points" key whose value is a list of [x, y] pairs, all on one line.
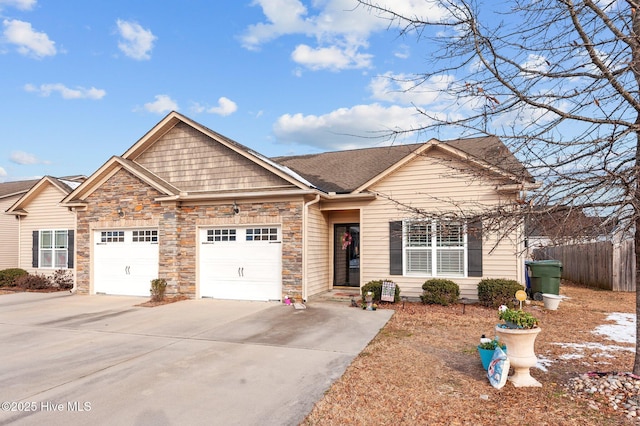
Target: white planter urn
{"points": [[521, 354]]}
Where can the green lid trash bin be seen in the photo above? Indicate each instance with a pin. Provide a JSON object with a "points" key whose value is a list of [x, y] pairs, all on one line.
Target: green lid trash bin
{"points": [[544, 277]]}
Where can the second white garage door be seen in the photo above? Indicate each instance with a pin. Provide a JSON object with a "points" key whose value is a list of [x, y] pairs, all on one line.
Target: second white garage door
{"points": [[243, 263], [125, 261]]}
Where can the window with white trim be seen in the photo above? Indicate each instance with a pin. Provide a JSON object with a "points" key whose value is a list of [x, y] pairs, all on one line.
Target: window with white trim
{"points": [[53, 248], [434, 248]]}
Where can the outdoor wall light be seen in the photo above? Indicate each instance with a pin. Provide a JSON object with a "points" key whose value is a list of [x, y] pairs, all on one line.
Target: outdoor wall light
{"points": [[236, 209], [120, 212]]}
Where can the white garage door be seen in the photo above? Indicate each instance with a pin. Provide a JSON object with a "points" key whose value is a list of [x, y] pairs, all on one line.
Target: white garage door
{"points": [[243, 263], [125, 261]]}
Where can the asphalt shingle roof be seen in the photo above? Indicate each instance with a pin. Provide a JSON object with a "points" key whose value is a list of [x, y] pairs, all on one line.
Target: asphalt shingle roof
{"points": [[16, 187], [344, 171]]}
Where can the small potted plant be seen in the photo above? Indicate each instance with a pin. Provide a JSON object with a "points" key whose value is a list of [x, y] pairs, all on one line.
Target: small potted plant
{"points": [[486, 350], [519, 333], [517, 318]]}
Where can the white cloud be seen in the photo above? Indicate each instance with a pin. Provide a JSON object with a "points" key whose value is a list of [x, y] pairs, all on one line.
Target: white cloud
{"points": [[162, 105], [225, 107], [410, 89], [333, 58], [3, 172], [24, 158], [535, 64], [402, 52], [136, 42], [347, 128], [340, 28], [28, 41], [19, 4], [66, 92], [283, 17]]}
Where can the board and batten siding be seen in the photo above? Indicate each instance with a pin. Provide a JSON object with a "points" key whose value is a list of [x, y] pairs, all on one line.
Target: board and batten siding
{"points": [[318, 253], [192, 161], [8, 234], [432, 184], [44, 212]]}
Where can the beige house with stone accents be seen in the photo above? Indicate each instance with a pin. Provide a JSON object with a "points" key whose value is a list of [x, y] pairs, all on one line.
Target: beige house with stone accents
{"points": [[10, 192], [217, 219], [44, 228]]}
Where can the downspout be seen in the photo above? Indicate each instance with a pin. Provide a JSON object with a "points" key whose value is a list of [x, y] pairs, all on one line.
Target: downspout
{"points": [[74, 290], [305, 245], [19, 219]]}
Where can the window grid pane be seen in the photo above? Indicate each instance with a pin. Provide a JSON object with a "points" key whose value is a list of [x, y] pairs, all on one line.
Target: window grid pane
{"points": [[418, 235], [46, 259], [450, 235], [145, 236], [450, 262], [61, 259], [262, 234], [221, 235], [46, 239], [112, 236], [419, 261]]}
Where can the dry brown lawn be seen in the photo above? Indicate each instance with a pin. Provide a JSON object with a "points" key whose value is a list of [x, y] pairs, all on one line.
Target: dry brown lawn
{"points": [[423, 368]]}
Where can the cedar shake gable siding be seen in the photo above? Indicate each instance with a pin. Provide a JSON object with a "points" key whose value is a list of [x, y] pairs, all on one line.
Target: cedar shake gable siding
{"points": [[194, 162]]}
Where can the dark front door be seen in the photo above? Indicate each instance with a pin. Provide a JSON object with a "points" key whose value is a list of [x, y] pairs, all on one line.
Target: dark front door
{"points": [[346, 255]]}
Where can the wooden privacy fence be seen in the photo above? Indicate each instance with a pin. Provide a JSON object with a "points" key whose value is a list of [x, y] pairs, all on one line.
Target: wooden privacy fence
{"points": [[601, 265]]}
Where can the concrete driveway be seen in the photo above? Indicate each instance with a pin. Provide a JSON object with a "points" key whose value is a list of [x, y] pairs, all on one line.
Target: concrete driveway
{"points": [[72, 360]]}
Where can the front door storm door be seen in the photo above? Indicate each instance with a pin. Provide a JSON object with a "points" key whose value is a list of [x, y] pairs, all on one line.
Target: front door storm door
{"points": [[346, 255]]}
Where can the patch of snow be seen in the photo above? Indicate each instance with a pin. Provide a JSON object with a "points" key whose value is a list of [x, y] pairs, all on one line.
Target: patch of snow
{"points": [[571, 356], [581, 347], [624, 329], [543, 363]]}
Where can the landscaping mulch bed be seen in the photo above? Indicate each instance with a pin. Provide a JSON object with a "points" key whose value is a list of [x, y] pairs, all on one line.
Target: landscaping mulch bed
{"points": [[165, 301], [423, 368]]}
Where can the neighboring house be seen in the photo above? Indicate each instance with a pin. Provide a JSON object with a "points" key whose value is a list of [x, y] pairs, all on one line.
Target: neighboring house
{"points": [[10, 192], [566, 225], [45, 227], [217, 219]]}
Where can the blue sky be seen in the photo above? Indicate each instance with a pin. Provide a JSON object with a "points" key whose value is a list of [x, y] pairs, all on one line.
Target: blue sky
{"points": [[84, 80]]}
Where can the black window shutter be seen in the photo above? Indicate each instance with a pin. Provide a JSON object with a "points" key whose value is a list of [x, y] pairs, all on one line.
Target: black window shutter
{"points": [[34, 249], [70, 248], [474, 248], [395, 248]]}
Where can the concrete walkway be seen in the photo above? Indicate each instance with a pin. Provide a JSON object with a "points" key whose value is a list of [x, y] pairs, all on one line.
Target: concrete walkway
{"points": [[76, 360]]}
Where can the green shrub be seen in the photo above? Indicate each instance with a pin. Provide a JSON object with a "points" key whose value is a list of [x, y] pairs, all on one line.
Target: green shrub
{"points": [[438, 291], [63, 279], [33, 282], [9, 276], [376, 287], [158, 287], [493, 292]]}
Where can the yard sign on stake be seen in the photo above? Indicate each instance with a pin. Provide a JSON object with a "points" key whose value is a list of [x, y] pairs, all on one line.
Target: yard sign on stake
{"points": [[388, 291], [521, 295]]}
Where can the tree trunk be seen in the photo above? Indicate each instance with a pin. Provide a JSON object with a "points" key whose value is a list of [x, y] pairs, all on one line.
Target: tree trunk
{"points": [[636, 238], [635, 67]]}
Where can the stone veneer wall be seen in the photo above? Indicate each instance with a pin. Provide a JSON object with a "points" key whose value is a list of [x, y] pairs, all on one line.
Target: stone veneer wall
{"points": [[177, 230]]}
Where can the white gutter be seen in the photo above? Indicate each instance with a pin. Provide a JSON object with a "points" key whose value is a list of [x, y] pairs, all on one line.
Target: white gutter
{"points": [[518, 187], [305, 214], [234, 195]]}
